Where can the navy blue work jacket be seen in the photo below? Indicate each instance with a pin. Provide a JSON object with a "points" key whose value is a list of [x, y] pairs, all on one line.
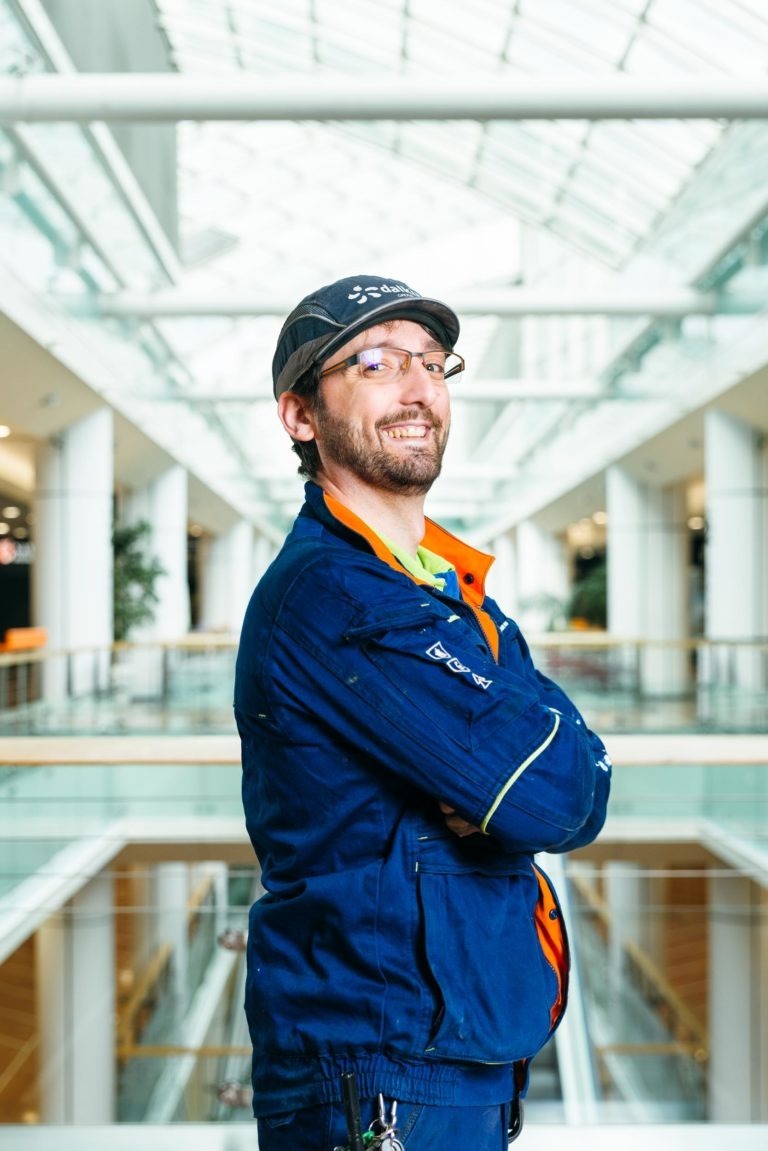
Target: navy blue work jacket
{"points": [[427, 963]]}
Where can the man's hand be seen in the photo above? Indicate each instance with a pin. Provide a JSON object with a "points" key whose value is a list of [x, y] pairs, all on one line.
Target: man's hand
{"points": [[456, 824]]}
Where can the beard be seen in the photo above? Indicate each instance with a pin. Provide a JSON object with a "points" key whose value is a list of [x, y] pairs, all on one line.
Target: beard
{"points": [[410, 472]]}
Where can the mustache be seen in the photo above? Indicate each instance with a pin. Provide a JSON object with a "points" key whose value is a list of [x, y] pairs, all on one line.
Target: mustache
{"points": [[425, 415]]}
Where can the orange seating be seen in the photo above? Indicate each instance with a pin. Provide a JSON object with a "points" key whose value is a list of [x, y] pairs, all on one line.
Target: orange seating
{"points": [[24, 639]]}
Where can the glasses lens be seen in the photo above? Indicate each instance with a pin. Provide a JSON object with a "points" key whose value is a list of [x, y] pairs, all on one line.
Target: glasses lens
{"points": [[454, 366], [381, 363], [387, 364]]}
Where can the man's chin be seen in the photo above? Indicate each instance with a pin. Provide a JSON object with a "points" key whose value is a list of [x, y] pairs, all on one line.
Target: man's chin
{"points": [[415, 479]]}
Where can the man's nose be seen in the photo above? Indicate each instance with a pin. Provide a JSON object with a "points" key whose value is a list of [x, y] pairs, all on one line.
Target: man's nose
{"points": [[418, 382]]}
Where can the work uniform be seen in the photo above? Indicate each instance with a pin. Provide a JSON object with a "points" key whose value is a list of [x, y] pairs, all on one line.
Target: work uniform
{"points": [[432, 966]]}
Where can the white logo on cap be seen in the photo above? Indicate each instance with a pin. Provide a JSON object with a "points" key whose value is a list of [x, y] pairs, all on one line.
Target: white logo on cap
{"points": [[361, 294]]}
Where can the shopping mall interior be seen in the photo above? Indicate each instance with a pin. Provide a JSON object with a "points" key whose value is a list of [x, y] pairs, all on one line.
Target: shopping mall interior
{"points": [[586, 184]]}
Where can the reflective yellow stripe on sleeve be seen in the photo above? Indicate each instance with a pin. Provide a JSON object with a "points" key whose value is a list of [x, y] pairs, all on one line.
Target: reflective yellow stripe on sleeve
{"points": [[518, 772]]}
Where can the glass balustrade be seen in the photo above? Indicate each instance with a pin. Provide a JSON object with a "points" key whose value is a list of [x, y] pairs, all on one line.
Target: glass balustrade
{"points": [[187, 687], [657, 910]]}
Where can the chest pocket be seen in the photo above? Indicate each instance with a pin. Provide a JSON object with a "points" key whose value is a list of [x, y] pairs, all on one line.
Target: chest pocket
{"points": [[430, 663]]}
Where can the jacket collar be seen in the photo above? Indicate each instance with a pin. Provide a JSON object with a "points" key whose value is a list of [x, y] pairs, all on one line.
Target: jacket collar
{"points": [[471, 565]]}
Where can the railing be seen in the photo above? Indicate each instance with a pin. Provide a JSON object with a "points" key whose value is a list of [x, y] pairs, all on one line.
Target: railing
{"points": [[650, 1048], [619, 684], [184, 685], [687, 1033], [129, 807]]}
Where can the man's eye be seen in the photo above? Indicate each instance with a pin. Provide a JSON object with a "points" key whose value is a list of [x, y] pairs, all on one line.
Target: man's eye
{"points": [[435, 366], [375, 361]]}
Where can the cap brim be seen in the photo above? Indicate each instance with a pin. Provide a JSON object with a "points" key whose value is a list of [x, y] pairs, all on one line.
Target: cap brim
{"points": [[431, 313]]}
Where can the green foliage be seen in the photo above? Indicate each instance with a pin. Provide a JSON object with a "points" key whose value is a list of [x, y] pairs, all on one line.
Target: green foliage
{"points": [[589, 597], [135, 576]]}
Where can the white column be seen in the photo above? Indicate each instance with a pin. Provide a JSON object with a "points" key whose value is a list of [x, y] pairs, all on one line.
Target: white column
{"points": [[625, 898], [163, 505], [171, 899], [221, 895], [502, 578], [76, 1009], [736, 555], [647, 576], [72, 575], [227, 579], [542, 577], [734, 1079]]}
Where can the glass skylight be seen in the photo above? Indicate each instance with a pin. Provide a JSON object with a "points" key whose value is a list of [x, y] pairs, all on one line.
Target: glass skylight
{"points": [[452, 206]]}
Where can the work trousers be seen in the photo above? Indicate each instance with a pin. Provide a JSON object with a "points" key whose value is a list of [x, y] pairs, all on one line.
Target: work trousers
{"points": [[420, 1127]]}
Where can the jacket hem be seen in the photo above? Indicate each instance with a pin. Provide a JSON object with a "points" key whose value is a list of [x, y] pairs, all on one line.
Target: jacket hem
{"points": [[294, 1086]]}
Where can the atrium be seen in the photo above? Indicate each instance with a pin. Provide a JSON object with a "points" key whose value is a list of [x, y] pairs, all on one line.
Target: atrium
{"points": [[586, 184]]}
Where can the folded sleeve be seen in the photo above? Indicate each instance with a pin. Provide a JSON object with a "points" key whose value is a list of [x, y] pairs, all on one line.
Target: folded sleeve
{"points": [[408, 685]]}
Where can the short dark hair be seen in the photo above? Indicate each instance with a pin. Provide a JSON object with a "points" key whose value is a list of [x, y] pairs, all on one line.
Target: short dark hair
{"points": [[309, 457]]}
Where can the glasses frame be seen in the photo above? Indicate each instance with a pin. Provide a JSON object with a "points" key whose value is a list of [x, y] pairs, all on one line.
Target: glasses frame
{"points": [[350, 362]]}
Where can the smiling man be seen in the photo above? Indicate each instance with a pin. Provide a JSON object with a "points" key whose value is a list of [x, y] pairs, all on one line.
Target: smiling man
{"points": [[403, 761]]}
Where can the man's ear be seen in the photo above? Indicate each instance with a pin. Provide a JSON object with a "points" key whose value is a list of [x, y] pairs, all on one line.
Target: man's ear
{"points": [[295, 414]]}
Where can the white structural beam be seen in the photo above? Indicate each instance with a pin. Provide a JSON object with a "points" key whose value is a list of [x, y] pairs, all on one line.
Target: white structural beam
{"points": [[43, 32], [666, 303], [469, 390], [161, 97]]}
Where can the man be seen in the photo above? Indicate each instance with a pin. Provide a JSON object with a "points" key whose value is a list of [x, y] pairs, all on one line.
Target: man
{"points": [[402, 762]]}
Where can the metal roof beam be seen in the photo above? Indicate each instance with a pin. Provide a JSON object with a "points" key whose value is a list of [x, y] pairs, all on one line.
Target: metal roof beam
{"points": [[667, 303], [43, 34], [161, 97], [469, 390]]}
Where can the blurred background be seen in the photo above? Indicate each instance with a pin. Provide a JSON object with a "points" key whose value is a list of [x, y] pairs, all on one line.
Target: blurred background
{"points": [[586, 183]]}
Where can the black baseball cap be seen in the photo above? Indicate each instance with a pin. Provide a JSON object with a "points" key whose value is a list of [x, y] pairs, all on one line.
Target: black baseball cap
{"points": [[329, 317]]}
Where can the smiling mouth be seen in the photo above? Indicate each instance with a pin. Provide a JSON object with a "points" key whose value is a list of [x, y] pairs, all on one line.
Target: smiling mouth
{"points": [[409, 432]]}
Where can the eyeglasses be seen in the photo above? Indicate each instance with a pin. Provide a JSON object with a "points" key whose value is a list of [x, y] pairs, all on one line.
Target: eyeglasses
{"points": [[383, 365]]}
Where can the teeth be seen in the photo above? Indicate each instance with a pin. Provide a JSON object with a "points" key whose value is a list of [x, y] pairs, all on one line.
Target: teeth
{"points": [[410, 433]]}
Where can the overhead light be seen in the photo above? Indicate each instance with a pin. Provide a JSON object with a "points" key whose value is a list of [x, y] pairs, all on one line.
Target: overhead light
{"points": [[20, 533], [195, 530], [11, 512], [600, 517], [4, 529], [696, 523], [5, 431]]}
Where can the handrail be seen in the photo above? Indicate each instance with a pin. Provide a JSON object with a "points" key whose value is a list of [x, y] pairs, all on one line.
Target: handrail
{"points": [[164, 1050], [571, 640], [654, 977], [635, 750], [24, 1053], [149, 977], [151, 974], [680, 1012], [204, 641]]}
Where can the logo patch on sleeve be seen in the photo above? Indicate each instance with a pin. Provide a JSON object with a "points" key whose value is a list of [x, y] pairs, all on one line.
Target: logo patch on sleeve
{"points": [[441, 655]]}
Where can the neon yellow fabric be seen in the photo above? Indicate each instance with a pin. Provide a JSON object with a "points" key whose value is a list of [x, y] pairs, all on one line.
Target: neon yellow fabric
{"points": [[425, 565]]}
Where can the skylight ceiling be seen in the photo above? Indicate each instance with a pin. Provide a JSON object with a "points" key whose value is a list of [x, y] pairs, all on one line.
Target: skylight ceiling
{"points": [[601, 186], [281, 207], [444, 204]]}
